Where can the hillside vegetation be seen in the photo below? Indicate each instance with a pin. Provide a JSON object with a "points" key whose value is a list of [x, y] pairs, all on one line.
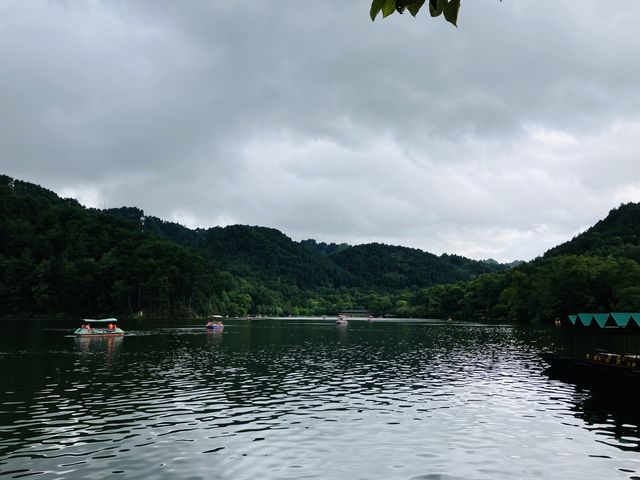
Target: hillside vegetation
{"points": [[597, 271], [57, 257]]}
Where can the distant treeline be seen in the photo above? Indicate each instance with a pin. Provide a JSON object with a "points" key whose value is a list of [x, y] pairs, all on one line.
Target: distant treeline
{"points": [[57, 257], [597, 271], [271, 258]]}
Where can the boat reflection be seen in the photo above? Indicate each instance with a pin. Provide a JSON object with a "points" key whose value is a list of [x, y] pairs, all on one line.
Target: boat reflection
{"points": [[214, 336], [102, 344], [605, 407], [612, 417]]}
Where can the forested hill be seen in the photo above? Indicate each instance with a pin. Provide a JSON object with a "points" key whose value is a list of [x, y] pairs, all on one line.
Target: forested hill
{"points": [[618, 235], [171, 231], [385, 267], [267, 255], [58, 257], [256, 253], [597, 271]]}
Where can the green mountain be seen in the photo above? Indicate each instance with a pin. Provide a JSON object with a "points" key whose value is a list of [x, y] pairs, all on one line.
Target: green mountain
{"points": [[57, 256], [268, 256], [597, 271], [258, 253], [617, 235], [385, 267], [324, 248]]}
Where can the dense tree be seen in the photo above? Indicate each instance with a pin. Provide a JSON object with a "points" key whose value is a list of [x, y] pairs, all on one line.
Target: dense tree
{"points": [[59, 257], [539, 291], [268, 257], [56, 256]]}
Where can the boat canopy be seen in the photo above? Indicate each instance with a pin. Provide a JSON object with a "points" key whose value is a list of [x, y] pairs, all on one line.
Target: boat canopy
{"points": [[102, 320], [606, 320]]}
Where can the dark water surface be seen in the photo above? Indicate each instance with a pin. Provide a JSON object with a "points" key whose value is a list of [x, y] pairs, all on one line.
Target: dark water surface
{"points": [[293, 399]]}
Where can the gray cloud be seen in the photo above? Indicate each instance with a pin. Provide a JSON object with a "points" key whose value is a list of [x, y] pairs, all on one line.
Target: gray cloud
{"points": [[500, 138]]}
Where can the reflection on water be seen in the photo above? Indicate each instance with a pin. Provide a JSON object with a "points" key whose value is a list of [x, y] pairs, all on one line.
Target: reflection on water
{"points": [[214, 337], [614, 417], [101, 344], [305, 399], [608, 408]]}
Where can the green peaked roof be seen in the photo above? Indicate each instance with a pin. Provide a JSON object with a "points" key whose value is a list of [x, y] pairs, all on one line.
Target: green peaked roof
{"points": [[585, 319], [602, 320], [622, 319]]}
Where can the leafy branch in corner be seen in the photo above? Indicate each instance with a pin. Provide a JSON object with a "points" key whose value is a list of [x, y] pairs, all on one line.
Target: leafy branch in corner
{"points": [[448, 8]]}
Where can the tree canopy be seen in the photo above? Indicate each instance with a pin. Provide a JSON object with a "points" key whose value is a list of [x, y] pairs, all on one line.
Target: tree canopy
{"points": [[57, 257]]}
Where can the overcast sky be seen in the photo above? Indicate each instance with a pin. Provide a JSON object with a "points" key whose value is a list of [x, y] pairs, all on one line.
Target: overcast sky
{"points": [[501, 138]]}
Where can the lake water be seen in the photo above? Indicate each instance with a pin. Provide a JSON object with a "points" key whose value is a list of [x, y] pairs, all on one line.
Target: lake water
{"points": [[304, 398]]}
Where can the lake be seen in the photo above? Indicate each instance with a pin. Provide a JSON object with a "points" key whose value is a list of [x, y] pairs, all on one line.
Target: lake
{"points": [[304, 398]]}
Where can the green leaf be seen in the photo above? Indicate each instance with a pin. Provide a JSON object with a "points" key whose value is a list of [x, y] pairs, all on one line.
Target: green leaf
{"points": [[415, 7], [451, 12], [376, 6], [450, 8], [388, 8], [435, 7]]}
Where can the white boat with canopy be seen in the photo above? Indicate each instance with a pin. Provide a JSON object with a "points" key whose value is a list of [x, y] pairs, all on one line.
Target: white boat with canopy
{"points": [[99, 327]]}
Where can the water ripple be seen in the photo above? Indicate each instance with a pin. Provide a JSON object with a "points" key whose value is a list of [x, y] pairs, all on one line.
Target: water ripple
{"points": [[278, 399]]}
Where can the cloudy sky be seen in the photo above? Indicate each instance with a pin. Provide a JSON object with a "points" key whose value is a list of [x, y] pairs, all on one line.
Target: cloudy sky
{"points": [[501, 138]]}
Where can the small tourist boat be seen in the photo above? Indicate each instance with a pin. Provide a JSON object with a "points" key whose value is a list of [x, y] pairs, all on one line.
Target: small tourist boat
{"points": [[602, 366], [342, 320], [215, 325], [105, 327]]}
